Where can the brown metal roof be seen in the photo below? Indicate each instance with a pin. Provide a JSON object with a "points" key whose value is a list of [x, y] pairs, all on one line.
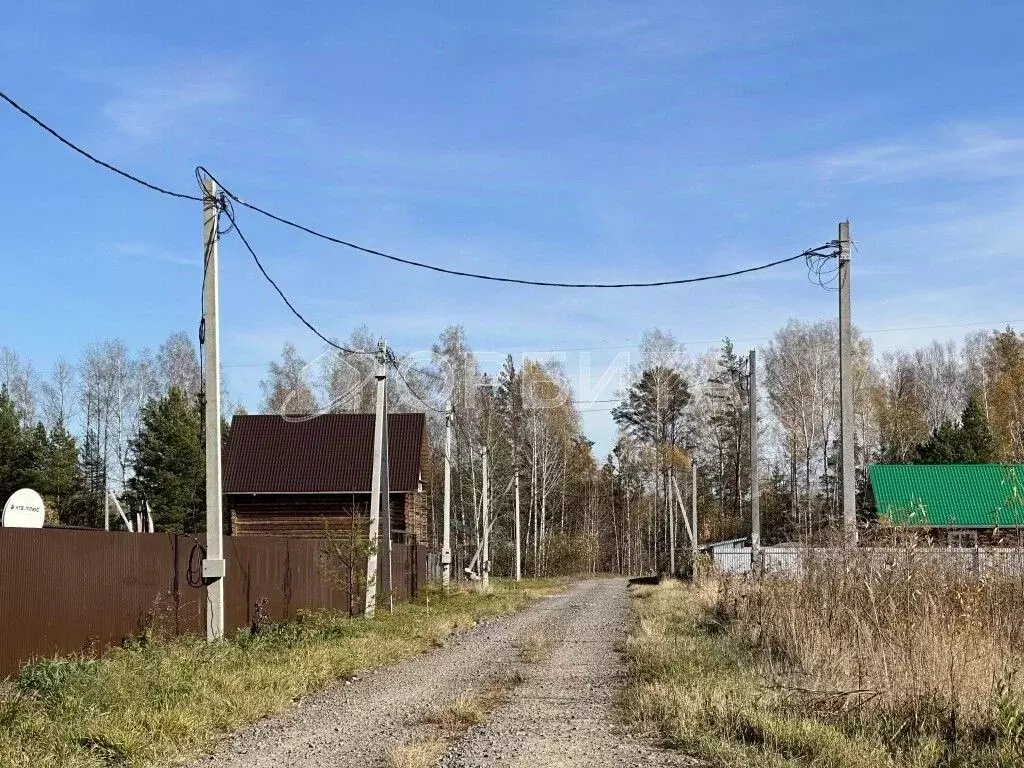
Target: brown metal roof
{"points": [[324, 454]]}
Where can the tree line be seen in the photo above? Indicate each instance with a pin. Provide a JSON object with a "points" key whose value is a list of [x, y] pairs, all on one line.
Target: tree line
{"points": [[132, 421], [128, 421]]}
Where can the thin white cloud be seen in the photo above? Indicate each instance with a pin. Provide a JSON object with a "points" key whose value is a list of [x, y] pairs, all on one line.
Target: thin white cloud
{"points": [[968, 152], [156, 102], [148, 112], [149, 252], [670, 29]]}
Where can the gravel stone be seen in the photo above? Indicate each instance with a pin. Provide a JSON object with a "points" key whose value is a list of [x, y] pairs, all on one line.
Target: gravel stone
{"points": [[562, 715]]}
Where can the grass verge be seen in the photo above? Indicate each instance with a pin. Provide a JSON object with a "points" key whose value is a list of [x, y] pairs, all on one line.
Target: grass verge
{"points": [[157, 703], [704, 684]]}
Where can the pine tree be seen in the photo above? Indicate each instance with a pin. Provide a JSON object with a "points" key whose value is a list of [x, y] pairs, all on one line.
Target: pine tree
{"points": [[168, 463], [728, 426], [653, 405], [65, 486], [12, 459], [89, 512], [35, 449], [970, 442], [977, 436]]}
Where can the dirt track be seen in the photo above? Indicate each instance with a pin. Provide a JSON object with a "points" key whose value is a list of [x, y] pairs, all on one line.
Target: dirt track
{"points": [[561, 715]]}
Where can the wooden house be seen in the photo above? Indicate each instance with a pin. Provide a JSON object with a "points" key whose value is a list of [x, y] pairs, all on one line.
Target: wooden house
{"points": [[312, 477]]}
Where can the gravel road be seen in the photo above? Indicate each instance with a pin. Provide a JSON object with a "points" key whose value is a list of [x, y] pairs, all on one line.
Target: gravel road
{"points": [[560, 716]]}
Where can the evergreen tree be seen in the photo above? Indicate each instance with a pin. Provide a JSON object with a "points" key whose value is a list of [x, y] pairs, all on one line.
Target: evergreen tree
{"points": [[976, 433], [653, 405], [65, 484], [12, 454], [169, 465], [35, 449], [970, 442], [728, 424], [89, 512]]}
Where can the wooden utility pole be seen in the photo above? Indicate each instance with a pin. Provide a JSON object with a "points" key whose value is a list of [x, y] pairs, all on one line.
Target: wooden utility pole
{"points": [[755, 491], [848, 475], [485, 506], [518, 532], [446, 545], [373, 535], [213, 566]]}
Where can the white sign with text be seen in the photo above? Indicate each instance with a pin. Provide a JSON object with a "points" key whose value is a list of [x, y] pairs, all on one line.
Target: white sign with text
{"points": [[24, 510]]}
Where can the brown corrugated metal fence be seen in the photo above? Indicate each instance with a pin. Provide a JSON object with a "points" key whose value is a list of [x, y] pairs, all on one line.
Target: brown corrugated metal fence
{"points": [[65, 592]]}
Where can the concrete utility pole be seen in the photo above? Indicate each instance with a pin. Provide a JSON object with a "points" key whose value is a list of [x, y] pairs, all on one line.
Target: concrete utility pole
{"points": [[213, 567], [518, 533], [755, 491], [485, 558], [693, 502], [672, 525], [848, 476], [691, 535], [373, 535], [446, 546], [385, 493]]}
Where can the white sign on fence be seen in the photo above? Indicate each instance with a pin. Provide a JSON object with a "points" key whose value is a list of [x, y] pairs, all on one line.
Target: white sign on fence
{"points": [[24, 510]]}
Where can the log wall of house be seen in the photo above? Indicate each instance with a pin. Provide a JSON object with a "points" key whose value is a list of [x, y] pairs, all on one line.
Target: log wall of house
{"points": [[320, 515], [415, 518]]}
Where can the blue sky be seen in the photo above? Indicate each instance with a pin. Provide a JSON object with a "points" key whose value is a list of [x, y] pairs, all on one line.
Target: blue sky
{"points": [[559, 140]]}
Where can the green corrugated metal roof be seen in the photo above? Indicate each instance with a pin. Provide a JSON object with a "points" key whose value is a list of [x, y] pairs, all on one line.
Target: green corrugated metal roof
{"points": [[949, 495]]}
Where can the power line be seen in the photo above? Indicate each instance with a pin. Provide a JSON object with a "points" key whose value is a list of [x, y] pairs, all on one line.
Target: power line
{"points": [[71, 145], [226, 209], [810, 253]]}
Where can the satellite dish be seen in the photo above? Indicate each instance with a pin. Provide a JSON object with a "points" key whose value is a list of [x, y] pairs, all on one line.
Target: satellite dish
{"points": [[24, 509]]}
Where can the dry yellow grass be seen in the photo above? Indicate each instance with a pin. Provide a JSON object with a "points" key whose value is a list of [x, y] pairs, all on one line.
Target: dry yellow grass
{"points": [[471, 710], [423, 753], [464, 713], [844, 667]]}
